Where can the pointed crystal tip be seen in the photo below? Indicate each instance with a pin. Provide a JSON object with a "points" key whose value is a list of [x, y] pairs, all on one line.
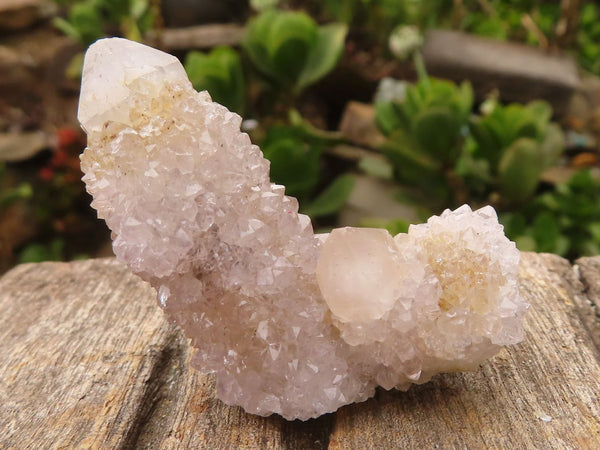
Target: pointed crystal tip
{"points": [[109, 68]]}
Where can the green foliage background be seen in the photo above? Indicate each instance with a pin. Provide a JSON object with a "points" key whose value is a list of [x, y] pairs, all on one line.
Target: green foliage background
{"points": [[440, 148]]}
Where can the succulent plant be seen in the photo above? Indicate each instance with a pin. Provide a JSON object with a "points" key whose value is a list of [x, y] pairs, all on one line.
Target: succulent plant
{"points": [[291, 49], [220, 73], [518, 142], [426, 133], [433, 115], [565, 220]]}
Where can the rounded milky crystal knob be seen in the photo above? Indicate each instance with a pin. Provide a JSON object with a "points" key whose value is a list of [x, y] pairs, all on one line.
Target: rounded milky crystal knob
{"points": [[359, 273]]}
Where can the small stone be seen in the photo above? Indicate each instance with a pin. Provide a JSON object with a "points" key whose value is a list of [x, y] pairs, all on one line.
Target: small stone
{"points": [[21, 146], [358, 125], [290, 322]]}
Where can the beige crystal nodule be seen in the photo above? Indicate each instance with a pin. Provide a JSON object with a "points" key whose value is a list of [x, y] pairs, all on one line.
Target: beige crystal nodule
{"points": [[290, 323]]}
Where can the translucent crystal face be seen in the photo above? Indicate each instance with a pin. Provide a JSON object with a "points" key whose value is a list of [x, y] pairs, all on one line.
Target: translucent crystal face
{"points": [[360, 273], [288, 324], [106, 90]]}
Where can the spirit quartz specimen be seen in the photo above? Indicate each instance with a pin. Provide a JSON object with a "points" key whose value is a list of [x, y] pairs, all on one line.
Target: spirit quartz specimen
{"points": [[290, 322]]}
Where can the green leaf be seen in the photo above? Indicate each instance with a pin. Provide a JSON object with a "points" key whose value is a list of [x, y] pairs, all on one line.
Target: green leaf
{"points": [[393, 226], [68, 29], [541, 112], [262, 5], [431, 93], [12, 195], [130, 29], [294, 162], [589, 248], [331, 199], [475, 172], [291, 49], [404, 156], [546, 233], [519, 170], [278, 43], [376, 167], [116, 9], [489, 146], [415, 168], [515, 224], [492, 27], [594, 229], [437, 131], [512, 122], [85, 18], [526, 243], [324, 54], [220, 73], [465, 97], [291, 26], [343, 11], [75, 67], [137, 8], [386, 117], [413, 101], [291, 36], [146, 22], [552, 145], [256, 42], [34, 253], [289, 60], [563, 244]]}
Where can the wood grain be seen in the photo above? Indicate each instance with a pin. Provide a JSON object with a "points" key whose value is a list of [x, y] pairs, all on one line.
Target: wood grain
{"points": [[589, 303], [542, 393], [87, 360], [67, 352]]}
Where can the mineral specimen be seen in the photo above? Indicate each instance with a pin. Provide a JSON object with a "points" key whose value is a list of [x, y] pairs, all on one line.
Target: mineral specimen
{"points": [[290, 322]]}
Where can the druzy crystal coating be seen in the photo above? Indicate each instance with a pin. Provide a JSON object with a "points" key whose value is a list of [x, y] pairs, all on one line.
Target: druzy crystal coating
{"points": [[290, 322]]}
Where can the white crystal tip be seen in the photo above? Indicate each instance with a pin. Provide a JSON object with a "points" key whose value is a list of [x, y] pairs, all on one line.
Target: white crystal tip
{"points": [[109, 68]]}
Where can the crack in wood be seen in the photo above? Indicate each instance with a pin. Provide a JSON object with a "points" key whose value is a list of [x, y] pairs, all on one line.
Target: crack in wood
{"points": [[154, 416], [312, 434], [587, 271]]}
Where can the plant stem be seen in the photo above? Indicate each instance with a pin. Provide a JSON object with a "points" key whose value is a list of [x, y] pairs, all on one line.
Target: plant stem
{"points": [[420, 67]]}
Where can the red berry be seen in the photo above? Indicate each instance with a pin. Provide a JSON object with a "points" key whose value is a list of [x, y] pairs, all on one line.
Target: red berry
{"points": [[66, 136], [46, 174]]}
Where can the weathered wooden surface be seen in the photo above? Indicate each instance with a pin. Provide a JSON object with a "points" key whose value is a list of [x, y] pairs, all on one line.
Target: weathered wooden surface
{"points": [[87, 360], [542, 393], [588, 270]]}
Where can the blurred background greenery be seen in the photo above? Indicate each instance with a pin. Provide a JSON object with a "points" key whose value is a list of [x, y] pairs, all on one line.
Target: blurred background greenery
{"points": [[372, 112]]}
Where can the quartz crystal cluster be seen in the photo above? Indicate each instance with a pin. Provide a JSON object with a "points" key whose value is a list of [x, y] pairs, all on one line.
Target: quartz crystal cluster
{"points": [[290, 322]]}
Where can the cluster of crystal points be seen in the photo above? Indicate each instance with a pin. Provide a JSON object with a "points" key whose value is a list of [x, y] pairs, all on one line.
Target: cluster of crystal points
{"points": [[290, 322]]}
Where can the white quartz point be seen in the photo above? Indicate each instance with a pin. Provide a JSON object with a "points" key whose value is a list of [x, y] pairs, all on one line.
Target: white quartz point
{"points": [[360, 273], [107, 83]]}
